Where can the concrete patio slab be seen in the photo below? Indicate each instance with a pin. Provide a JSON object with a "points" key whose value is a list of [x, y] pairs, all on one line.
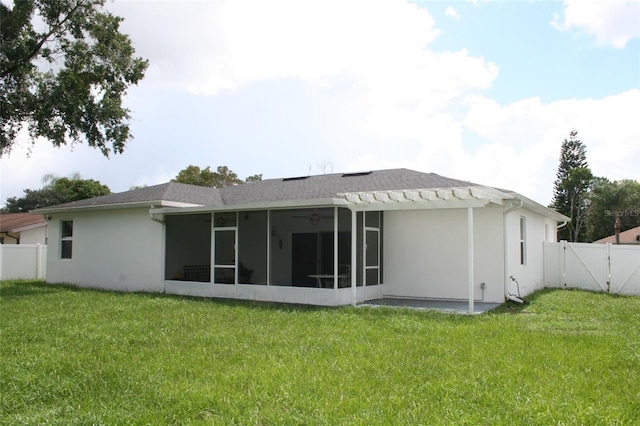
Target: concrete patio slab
{"points": [[449, 306]]}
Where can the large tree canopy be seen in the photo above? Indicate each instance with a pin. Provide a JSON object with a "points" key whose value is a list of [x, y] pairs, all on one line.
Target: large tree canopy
{"points": [[64, 70], [57, 191], [610, 200], [222, 177]]}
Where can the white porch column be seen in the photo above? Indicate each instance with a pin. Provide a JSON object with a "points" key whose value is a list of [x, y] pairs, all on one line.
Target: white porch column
{"points": [[354, 255], [269, 247], [470, 258]]}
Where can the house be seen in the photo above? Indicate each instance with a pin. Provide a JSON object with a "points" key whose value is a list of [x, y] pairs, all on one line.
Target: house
{"points": [[333, 239], [630, 236], [23, 228]]}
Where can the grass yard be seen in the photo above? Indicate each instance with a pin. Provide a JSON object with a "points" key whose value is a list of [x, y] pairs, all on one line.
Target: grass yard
{"points": [[74, 356]]}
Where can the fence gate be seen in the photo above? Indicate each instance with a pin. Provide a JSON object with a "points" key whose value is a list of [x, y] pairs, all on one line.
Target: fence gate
{"points": [[596, 267]]}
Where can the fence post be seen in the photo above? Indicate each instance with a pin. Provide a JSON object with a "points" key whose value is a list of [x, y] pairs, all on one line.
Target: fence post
{"points": [[37, 260], [609, 267], [563, 256]]}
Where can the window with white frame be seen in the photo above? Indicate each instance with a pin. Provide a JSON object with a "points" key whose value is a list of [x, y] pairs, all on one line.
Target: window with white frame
{"points": [[523, 240], [66, 239]]}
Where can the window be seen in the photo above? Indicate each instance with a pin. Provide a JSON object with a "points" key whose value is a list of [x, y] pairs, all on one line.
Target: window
{"points": [[66, 241], [523, 242]]}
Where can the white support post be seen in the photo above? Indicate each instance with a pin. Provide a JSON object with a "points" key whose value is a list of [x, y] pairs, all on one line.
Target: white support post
{"points": [[354, 255], [335, 248], [268, 247], [470, 255]]}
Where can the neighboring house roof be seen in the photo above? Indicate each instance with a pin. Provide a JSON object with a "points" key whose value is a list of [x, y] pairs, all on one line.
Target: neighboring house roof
{"points": [[18, 222], [630, 236], [289, 191]]}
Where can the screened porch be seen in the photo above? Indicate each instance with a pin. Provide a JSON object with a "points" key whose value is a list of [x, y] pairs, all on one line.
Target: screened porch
{"points": [[305, 247]]}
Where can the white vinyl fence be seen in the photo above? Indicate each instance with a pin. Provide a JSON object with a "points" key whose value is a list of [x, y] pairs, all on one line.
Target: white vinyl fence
{"points": [[23, 261], [600, 267]]}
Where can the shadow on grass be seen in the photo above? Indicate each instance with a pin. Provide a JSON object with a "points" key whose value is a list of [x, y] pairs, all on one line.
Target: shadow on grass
{"points": [[22, 288], [510, 307], [14, 289]]}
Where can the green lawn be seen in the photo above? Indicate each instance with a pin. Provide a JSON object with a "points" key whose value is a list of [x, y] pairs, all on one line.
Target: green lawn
{"points": [[73, 356]]}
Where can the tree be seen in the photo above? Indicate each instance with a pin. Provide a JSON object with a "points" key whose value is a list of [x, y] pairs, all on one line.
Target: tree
{"points": [[221, 178], [254, 178], [57, 191], [610, 200], [64, 70], [571, 186], [577, 186]]}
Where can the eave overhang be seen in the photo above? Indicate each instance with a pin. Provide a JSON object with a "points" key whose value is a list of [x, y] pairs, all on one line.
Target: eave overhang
{"points": [[531, 205], [114, 206], [275, 205], [28, 227]]}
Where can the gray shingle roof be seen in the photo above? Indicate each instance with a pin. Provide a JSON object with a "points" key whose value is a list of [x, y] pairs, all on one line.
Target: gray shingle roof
{"points": [[328, 186], [171, 191], [273, 190]]}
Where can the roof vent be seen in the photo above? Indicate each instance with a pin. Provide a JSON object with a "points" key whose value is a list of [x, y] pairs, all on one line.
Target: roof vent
{"points": [[295, 178], [356, 174]]}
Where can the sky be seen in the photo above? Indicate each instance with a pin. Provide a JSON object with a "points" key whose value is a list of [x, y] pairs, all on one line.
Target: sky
{"points": [[482, 91]]}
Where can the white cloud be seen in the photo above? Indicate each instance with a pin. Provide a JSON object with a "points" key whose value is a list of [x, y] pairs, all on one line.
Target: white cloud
{"points": [[212, 46], [522, 141], [451, 12], [612, 22]]}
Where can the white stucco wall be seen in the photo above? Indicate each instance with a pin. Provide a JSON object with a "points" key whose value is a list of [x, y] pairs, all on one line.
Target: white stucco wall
{"points": [[539, 229], [34, 235], [116, 250], [426, 254]]}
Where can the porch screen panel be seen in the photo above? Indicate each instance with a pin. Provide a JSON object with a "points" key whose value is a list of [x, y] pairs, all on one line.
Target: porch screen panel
{"points": [[188, 247], [359, 257], [301, 249], [344, 247], [372, 220], [252, 247], [373, 276]]}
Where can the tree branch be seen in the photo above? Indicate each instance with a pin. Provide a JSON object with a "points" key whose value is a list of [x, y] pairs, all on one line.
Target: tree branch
{"points": [[38, 46]]}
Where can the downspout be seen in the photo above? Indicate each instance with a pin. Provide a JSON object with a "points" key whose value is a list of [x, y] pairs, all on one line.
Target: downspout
{"points": [[505, 242]]}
